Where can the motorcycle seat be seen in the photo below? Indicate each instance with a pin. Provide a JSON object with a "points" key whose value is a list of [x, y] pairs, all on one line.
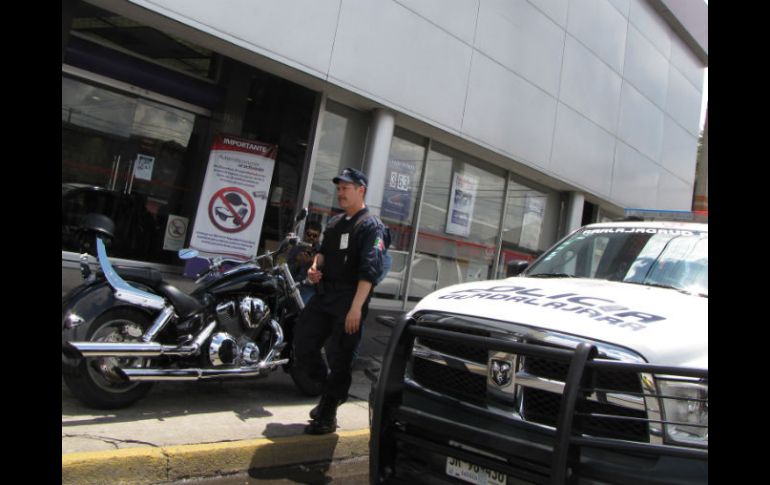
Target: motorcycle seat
{"points": [[184, 304], [148, 276]]}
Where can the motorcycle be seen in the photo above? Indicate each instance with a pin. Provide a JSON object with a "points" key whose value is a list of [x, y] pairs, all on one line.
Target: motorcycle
{"points": [[123, 329]]}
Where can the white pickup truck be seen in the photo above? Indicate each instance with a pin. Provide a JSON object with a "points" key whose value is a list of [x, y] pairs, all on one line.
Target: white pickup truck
{"points": [[591, 366]]}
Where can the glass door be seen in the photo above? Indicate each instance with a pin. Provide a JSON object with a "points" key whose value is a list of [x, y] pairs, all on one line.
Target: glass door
{"points": [[123, 156], [459, 222], [398, 206], [525, 214], [342, 144]]}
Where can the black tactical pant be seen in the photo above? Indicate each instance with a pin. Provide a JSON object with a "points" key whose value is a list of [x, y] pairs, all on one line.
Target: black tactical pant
{"points": [[324, 317]]}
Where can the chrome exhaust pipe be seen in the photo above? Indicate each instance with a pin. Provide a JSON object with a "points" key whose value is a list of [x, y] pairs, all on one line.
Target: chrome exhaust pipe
{"points": [[138, 349], [159, 374], [155, 349], [97, 349], [267, 364], [140, 375]]}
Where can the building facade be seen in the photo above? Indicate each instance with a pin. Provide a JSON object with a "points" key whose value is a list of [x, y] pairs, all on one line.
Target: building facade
{"points": [[488, 128]]}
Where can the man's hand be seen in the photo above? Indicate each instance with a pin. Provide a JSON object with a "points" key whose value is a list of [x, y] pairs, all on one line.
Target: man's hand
{"points": [[353, 318], [314, 274], [353, 321]]}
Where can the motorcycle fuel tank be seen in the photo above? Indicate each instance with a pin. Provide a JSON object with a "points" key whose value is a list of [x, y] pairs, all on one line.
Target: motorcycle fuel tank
{"points": [[247, 278]]}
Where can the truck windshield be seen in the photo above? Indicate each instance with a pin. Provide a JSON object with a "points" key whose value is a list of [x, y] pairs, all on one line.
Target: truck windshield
{"points": [[676, 259]]}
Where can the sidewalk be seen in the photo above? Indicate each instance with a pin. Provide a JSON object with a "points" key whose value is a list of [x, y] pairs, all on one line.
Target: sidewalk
{"points": [[198, 429]]}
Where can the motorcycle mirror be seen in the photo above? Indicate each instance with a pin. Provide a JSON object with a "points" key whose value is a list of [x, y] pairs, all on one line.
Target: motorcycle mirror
{"points": [[300, 216], [188, 253]]}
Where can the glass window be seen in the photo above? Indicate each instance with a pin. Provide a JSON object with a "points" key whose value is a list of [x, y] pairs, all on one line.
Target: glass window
{"points": [[459, 222], [523, 226], [399, 200], [117, 32], [281, 113], [342, 144], [123, 156], [644, 256]]}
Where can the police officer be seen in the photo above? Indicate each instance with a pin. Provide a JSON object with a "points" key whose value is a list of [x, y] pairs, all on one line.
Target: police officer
{"points": [[345, 268]]}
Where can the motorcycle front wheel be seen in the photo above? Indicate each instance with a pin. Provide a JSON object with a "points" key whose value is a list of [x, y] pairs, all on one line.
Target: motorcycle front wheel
{"points": [[95, 382]]}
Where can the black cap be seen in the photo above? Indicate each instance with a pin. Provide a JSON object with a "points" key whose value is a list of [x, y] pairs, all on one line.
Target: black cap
{"points": [[351, 175]]}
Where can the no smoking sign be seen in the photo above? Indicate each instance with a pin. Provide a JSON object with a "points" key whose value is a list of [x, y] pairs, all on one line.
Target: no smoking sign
{"points": [[176, 232], [231, 209]]}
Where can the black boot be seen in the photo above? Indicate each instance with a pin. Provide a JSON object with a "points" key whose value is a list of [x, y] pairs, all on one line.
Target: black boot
{"points": [[326, 421], [315, 411]]}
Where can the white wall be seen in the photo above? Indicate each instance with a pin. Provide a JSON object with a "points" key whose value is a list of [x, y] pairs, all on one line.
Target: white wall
{"points": [[601, 94]]}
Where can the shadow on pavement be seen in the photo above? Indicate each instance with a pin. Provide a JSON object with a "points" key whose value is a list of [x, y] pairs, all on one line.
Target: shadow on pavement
{"points": [[246, 398], [310, 473], [277, 430]]}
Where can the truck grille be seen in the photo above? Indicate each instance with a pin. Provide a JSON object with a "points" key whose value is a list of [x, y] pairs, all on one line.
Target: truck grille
{"points": [[611, 403], [455, 383]]}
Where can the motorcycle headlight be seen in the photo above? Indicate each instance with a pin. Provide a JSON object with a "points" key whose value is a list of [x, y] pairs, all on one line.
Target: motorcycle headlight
{"points": [[685, 406]]}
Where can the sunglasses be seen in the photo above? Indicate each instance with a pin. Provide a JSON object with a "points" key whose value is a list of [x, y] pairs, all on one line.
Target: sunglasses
{"points": [[312, 234]]}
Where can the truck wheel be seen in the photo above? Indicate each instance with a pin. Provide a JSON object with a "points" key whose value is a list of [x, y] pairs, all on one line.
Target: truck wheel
{"points": [[95, 381]]}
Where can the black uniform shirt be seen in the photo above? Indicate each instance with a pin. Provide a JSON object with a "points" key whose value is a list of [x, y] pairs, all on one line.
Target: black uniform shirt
{"points": [[353, 253]]}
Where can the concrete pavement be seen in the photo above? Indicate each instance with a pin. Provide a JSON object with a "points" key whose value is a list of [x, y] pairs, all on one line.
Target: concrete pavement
{"points": [[200, 429]]}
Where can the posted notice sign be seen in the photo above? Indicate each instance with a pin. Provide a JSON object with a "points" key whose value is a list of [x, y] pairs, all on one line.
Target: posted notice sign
{"points": [[234, 197], [397, 197], [462, 201], [176, 231]]}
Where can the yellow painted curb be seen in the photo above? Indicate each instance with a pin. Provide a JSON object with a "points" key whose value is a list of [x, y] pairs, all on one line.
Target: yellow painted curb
{"points": [[128, 466], [155, 465]]}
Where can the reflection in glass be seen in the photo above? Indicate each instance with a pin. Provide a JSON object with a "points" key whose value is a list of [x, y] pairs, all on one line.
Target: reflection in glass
{"points": [[523, 225], [398, 205], [122, 156], [402, 185], [96, 109], [646, 256], [342, 142], [461, 210], [161, 122], [109, 29]]}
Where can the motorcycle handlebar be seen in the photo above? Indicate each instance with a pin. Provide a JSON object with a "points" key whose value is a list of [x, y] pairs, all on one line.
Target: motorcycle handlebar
{"points": [[215, 263], [305, 245], [290, 240]]}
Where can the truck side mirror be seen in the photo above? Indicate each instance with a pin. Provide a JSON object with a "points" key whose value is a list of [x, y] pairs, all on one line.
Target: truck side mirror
{"points": [[516, 267]]}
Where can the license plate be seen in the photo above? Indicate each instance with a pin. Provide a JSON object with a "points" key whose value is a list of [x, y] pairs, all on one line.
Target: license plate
{"points": [[471, 473]]}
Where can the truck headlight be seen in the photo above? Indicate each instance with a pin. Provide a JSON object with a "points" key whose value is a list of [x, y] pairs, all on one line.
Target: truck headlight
{"points": [[685, 410]]}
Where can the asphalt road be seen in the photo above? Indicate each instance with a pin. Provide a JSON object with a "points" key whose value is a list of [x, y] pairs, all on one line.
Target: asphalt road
{"points": [[349, 472]]}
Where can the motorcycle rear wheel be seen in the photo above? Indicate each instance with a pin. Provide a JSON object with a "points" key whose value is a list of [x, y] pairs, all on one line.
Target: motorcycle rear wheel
{"points": [[94, 382]]}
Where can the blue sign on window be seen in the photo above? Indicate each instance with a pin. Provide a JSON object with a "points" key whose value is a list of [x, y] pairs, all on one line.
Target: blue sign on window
{"points": [[397, 196]]}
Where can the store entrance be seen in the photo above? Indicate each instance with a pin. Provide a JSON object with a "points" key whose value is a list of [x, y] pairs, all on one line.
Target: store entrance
{"points": [[123, 156]]}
